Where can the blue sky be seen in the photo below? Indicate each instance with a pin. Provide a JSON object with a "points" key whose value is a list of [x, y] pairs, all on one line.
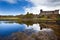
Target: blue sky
{"points": [[16, 7]]}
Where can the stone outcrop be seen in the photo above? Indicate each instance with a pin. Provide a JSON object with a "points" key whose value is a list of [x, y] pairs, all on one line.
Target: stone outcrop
{"points": [[41, 35]]}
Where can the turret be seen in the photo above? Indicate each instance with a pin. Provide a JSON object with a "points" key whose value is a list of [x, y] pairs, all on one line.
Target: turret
{"points": [[41, 10]]}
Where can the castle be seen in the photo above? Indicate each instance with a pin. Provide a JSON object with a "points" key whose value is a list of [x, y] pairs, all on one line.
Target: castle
{"points": [[49, 12]]}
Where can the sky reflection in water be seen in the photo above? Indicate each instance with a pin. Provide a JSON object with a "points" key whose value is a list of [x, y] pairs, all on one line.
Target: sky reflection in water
{"points": [[9, 28]]}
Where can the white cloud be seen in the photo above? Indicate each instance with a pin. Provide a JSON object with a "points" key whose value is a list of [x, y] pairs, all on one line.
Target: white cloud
{"points": [[34, 26], [36, 9], [10, 1], [42, 4], [32, 10], [37, 2], [45, 2]]}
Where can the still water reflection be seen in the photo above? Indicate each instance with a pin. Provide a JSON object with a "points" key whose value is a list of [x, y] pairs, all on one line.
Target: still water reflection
{"points": [[9, 27]]}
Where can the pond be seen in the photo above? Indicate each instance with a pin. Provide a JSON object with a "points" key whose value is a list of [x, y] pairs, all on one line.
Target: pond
{"points": [[9, 27]]}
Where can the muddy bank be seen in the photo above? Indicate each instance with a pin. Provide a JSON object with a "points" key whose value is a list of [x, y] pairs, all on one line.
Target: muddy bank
{"points": [[54, 26]]}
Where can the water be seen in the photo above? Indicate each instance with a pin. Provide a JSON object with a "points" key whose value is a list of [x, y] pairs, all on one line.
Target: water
{"points": [[6, 29], [9, 27]]}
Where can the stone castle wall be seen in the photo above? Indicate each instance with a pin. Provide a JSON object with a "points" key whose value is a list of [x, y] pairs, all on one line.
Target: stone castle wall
{"points": [[49, 12]]}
